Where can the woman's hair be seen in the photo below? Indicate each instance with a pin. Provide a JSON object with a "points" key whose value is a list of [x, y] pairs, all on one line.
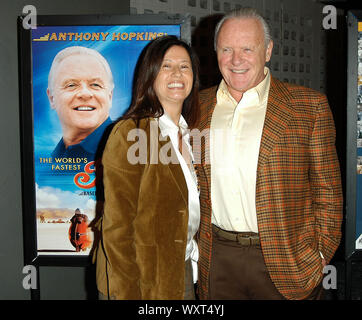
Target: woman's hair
{"points": [[145, 102]]}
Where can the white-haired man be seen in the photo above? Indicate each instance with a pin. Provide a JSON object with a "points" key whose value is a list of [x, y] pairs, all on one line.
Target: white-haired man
{"points": [[270, 198], [80, 89]]}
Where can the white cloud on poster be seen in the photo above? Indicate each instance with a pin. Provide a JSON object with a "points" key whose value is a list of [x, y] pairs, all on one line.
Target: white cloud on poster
{"points": [[91, 206], [359, 242], [55, 198], [45, 198]]}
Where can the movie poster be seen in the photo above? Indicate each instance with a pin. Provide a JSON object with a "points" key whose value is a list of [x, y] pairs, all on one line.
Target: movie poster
{"points": [[76, 97], [359, 144]]}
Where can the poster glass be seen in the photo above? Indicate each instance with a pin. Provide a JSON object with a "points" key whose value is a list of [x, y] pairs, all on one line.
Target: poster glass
{"points": [[81, 79]]}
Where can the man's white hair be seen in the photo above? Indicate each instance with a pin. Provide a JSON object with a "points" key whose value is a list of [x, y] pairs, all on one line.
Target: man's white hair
{"points": [[244, 13], [77, 50]]}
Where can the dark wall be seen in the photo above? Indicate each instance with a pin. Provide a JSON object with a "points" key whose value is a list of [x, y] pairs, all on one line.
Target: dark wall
{"points": [[55, 282], [75, 282]]}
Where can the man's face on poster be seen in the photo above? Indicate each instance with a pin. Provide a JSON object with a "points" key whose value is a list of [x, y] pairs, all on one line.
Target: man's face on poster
{"points": [[81, 94]]}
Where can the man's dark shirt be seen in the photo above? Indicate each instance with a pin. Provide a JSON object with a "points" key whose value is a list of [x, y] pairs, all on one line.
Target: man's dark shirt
{"points": [[85, 149]]}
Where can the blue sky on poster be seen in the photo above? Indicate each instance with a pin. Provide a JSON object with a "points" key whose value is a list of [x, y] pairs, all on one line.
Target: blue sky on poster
{"points": [[121, 55], [56, 188]]}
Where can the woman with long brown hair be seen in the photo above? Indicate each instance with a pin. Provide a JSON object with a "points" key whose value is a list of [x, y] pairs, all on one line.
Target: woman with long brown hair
{"points": [[151, 212]]}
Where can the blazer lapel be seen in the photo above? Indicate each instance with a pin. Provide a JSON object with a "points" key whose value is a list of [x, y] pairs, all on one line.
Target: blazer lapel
{"points": [[278, 114], [205, 125], [175, 168]]}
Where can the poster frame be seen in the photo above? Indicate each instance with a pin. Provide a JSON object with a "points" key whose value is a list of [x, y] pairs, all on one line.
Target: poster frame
{"points": [[26, 117]]}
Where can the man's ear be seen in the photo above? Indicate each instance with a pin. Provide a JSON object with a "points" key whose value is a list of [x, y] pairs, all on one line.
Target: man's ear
{"points": [[269, 50], [51, 99]]}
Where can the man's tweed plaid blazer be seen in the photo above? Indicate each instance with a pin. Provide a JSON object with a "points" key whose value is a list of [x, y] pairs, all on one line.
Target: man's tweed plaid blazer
{"points": [[298, 189]]}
